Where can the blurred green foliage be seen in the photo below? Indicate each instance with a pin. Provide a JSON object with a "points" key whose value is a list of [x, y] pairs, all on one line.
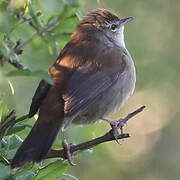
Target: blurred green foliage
{"points": [[152, 153], [31, 36]]}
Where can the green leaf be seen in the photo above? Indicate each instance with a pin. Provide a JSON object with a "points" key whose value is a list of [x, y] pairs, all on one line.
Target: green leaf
{"points": [[5, 50], [4, 142], [16, 128], [23, 118], [14, 58], [7, 22], [72, 3], [53, 45], [3, 110], [68, 25], [68, 177], [25, 175], [22, 73], [79, 15], [39, 73], [63, 39], [34, 15], [52, 171], [4, 172], [2, 152], [67, 12], [2, 35], [12, 142], [65, 29]]}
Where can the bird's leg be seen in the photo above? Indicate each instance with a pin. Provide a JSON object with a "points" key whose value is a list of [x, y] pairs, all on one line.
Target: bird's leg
{"points": [[115, 126], [121, 123], [67, 149]]}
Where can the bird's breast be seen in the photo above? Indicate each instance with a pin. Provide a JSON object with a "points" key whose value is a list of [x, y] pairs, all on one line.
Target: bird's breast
{"points": [[111, 100], [123, 88]]}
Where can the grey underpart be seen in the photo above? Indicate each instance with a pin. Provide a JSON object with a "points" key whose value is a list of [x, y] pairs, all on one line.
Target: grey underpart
{"points": [[111, 100]]}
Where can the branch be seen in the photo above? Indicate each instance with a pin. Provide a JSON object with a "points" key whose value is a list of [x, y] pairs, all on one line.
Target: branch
{"points": [[18, 65], [40, 32], [8, 123], [94, 142], [18, 49]]}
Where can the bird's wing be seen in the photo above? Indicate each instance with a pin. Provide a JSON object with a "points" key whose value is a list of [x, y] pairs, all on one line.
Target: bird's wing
{"points": [[38, 97], [92, 80], [56, 71]]}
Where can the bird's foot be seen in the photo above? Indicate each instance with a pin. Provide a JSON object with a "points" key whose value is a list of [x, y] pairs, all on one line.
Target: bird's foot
{"points": [[121, 123], [115, 127], [67, 149]]}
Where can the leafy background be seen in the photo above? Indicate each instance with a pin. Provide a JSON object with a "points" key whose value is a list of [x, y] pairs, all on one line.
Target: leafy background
{"points": [[152, 153]]}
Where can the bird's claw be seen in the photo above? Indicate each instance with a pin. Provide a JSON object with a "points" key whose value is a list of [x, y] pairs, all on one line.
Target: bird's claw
{"points": [[115, 131], [121, 124], [116, 125], [67, 149]]}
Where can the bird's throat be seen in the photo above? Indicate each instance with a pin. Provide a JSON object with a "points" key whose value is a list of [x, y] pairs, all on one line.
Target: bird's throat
{"points": [[120, 38]]}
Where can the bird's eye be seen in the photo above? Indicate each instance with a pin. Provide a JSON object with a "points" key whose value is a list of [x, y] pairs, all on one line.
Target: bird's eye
{"points": [[114, 27]]}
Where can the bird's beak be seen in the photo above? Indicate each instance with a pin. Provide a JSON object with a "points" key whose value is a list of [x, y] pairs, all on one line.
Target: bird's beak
{"points": [[125, 20]]}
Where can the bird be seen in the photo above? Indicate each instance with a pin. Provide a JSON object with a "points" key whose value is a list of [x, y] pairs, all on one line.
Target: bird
{"points": [[93, 76]]}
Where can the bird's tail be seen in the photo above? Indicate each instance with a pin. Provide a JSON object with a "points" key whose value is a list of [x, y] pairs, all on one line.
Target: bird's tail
{"points": [[37, 143]]}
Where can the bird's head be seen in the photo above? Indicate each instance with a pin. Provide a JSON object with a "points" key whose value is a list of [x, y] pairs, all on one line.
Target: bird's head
{"points": [[102, 23]]}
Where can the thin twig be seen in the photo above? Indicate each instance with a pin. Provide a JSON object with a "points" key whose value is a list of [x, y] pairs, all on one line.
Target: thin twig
{"points": [[8, 122], [89, 144], [86, 145], [4, 161], [21, 46], [38, 32], [19, 65], [18, 49], [129, 116]]}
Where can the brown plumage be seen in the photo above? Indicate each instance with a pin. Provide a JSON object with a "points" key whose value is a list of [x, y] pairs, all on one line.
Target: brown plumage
{"points": [[93, 75]]}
